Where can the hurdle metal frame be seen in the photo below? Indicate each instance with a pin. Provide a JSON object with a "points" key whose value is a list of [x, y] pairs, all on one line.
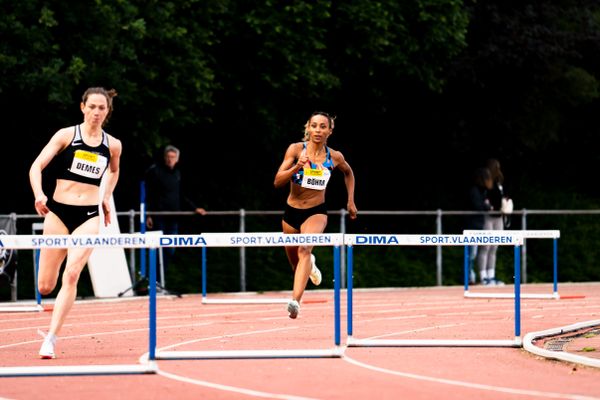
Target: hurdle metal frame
{"points": [[432, 240], [526, 234], [34, 242], [35, 227], [267, 239], [207, 300]]}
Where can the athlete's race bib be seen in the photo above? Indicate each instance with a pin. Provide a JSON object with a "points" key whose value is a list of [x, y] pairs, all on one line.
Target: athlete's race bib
{"points": [[88, 164], [315, 178]]}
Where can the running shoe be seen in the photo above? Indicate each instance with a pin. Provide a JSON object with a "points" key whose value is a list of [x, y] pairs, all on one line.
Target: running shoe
{"points": [[315, 274], [47, 349], [293, 308]]}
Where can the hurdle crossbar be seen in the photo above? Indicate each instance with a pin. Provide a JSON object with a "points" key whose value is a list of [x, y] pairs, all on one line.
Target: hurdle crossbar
{"points": [[22, 309], [352, 342], [267, 300], [335, 352], [504, 239], [76, 370], [526, 234]]}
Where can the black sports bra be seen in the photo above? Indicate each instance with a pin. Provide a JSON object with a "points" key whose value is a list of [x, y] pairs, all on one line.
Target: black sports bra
{"points": [[84, 163]]}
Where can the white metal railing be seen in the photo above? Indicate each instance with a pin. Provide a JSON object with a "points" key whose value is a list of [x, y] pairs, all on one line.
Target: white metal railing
{"points": [[342, 213]]}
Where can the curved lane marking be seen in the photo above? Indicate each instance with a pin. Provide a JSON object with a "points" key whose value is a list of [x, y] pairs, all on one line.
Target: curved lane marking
{"points": [[469, 385], [248, 392]]}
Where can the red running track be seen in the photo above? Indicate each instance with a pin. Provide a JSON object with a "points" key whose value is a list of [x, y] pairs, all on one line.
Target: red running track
{"points": [[116, 332]]}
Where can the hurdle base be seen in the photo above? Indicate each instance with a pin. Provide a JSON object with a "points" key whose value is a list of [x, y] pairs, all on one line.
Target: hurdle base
{"points": [[553, 296], [335, 352], [245, 301], [77, 370], [352, 342], [36, 308]]}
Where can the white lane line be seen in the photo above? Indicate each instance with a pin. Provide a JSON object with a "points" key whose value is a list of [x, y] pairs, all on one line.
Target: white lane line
{"points": [[239, 390], [417, 330], [478, 386], [226, 336], [247, 392], [145, 329], [93, 317]]}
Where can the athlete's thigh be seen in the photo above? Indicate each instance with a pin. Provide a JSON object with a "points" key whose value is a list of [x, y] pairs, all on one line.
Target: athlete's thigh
{"points": [[290, 251], [89, 227], [51, 259], [314, 224], [79, 256]]}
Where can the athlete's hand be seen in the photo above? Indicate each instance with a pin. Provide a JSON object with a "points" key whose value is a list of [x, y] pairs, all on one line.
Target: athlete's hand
{"points": [[106, 210], [302, 160], [352, 211], [40, 205]]}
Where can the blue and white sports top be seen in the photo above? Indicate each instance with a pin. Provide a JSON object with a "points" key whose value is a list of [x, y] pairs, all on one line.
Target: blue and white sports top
{"points": [[316, 176], [84, 163]]}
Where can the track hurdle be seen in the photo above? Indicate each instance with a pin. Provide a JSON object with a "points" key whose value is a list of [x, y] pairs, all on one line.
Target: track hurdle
{"points": [[276, 239], [505, 239], [525, 234], [37, 307], [69, 241], [206, 300]]}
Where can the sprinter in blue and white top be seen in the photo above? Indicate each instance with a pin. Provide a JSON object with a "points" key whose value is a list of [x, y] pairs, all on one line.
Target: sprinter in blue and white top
{"points": [[314, 176], [307, 165], [87, 152]]}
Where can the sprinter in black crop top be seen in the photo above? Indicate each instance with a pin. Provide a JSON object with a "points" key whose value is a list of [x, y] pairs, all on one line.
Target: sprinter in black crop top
{"points": [[82, 162], [87, 154]]}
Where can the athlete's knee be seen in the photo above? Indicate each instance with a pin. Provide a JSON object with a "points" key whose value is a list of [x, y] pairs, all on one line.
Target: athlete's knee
{"points": [[71, 276], [304, 251], [45, 287]]}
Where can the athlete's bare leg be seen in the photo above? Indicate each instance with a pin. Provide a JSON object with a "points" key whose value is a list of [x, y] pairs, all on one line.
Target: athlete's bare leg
{"points": [[76, 260], [299, 256]]}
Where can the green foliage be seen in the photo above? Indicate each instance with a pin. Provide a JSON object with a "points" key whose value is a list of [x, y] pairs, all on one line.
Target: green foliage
{"points": [[403, 38], [156, 54], [423, 89]]}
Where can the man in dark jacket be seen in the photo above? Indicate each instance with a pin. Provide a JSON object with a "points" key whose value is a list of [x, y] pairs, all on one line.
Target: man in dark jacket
{"points": [[164, 193]]}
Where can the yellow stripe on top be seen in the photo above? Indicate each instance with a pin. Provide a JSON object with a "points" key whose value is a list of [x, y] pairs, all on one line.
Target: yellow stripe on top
{"points": [[86, 155], [313, 172]]}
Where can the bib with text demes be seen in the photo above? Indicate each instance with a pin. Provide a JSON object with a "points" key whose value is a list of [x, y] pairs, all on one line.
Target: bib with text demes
{"points": [[88, 164]]}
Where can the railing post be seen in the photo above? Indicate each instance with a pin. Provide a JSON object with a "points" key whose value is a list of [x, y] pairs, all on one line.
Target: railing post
{"points": [[242, 252], [343, 213], [13, 286], [524, 248], [438, 256], [132, 251]]}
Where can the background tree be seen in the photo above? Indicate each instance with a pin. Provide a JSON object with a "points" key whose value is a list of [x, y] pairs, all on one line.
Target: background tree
{"points": [[424, 91]]}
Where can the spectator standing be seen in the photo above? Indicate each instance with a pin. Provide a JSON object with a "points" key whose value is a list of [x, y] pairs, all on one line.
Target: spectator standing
{"points": [[164, 192], [478, 202], [486, 257]]}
